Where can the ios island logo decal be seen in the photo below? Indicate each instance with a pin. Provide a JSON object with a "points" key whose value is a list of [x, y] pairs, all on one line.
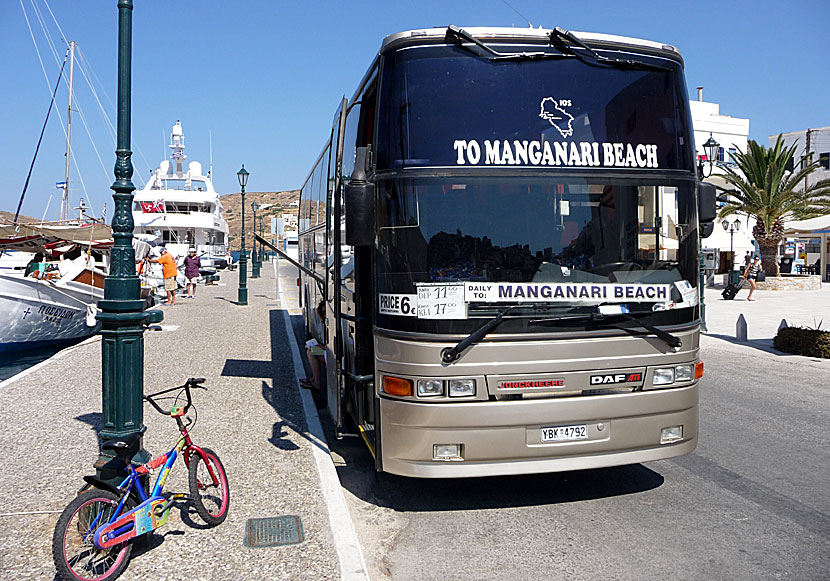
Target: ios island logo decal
{"points": [[553, 110], [534, 152]]}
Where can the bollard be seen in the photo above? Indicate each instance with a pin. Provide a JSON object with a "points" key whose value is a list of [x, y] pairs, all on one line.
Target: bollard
{"points": [[741, 328]]}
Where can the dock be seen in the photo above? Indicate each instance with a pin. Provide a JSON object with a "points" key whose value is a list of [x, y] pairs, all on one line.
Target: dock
{"points": [[253, 416]]}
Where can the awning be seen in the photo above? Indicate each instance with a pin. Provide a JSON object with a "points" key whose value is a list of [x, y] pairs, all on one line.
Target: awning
{"points": [[820, 225], [46, 237]]}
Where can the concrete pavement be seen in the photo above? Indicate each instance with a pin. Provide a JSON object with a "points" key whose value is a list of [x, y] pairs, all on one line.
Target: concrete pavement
{"points": [[764, 315], [252, 416]]}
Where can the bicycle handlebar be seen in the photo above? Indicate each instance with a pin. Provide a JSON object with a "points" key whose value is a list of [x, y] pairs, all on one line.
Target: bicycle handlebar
{"points": [[194, 382]]}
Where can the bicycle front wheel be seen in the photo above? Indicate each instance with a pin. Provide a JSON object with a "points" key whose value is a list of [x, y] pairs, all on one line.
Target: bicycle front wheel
{"points": [[73, 549], [210, 493]]}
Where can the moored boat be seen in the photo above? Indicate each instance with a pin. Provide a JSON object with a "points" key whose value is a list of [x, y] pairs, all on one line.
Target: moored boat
{"points": [[182, 208], [39, 312]]}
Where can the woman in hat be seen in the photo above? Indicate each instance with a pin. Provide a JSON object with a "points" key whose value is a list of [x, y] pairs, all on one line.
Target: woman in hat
{"points": [[192, 264]]}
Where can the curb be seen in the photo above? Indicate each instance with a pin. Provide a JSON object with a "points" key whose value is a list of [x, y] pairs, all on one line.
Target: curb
{"points": [[346, 543]]}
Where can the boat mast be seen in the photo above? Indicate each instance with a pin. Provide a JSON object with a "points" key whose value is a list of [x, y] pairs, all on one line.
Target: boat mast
{"points": [[65, 198]]}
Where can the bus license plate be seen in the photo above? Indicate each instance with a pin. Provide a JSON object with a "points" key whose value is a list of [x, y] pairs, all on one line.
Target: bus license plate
{"points": [[565, 433]]}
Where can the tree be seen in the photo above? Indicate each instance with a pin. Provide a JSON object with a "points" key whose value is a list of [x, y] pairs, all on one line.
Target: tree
{"points": [[763, 187]]}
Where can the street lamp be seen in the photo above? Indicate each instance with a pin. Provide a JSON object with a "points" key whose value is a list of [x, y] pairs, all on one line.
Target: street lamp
{"points": [[255, 270], [711, 147], [731, 227], [242, 297], [261, 249], [122, 310], [262, 253]]}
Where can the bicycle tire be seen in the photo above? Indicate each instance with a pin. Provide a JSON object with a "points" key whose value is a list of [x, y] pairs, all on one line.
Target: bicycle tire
{"points": [[88, 563], [211, 501]]}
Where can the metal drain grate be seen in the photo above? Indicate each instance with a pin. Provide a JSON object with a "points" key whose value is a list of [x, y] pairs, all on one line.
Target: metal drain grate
{"points": [[273, 531]]}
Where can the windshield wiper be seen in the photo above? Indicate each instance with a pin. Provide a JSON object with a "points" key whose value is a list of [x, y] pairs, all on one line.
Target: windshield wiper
{"points": [[560, 38], [603, 318], [500, 56], [450, 354]]}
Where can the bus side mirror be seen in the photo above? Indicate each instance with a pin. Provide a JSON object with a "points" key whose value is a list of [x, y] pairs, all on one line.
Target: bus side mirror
{"points": [[706, 209], [360, 204]]}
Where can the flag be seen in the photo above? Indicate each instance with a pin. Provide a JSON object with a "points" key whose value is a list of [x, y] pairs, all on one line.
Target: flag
{"points": [[152, 207]]}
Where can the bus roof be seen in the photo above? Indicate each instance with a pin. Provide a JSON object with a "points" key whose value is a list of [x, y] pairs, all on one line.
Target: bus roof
{"points": [[428, 35]]}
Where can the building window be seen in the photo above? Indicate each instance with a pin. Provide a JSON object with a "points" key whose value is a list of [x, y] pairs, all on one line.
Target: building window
{"points": [[824, 159]]}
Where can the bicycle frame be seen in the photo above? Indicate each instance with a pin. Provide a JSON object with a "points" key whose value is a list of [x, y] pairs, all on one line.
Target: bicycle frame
{"points": [[153, 510]]}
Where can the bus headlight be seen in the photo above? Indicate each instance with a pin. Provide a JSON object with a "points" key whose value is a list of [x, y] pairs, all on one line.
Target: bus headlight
{"points": [[684, 373], [663, 376], [462, 387], [430, 387]]}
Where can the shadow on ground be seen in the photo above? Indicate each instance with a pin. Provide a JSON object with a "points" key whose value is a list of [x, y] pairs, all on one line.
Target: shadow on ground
{"points": [[422, 495], [278, 386], [759, 344]]}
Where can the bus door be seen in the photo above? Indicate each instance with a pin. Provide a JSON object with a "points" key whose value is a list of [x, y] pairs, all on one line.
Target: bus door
{"points": [[334, 332], [356, 286]]}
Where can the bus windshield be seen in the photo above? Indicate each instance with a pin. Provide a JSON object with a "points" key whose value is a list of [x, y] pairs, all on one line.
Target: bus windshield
{"points": [[565, 231], [445, 106]]}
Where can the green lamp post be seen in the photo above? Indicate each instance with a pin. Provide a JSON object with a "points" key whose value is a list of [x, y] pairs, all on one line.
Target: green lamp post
{"points": [[254, 261], [122, 310], [262, 253], [242, 297]]}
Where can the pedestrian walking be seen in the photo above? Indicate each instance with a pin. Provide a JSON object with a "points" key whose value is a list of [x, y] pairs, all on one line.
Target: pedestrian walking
{"points": [[751, 274], [192, 264], [168, 271], [747, 260]]}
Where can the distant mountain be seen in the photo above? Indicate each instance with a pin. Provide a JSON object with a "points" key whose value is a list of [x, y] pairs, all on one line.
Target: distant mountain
{"points": [[8, 218], [233, 212]]}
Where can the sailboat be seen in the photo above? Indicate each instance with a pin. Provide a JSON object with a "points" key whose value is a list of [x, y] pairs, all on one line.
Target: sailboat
{"points": [[54, 301]]}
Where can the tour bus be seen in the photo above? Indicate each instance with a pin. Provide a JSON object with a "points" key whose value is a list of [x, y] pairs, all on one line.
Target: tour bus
{"points": [[503, 227]]}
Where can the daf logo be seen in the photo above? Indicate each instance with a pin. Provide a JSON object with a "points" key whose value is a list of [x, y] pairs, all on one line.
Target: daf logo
{"points": [[616, 378]]}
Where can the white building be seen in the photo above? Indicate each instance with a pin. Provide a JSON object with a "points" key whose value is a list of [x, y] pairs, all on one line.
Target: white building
{"points": [[732, 133], [812, 144], [813, 235]]}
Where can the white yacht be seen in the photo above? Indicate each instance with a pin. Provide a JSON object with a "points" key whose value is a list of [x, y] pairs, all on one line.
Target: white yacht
{"points": [[182, 208]]}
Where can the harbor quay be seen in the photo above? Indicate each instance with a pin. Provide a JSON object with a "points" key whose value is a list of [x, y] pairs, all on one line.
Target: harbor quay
{"points": [[252, 416], [799, 308]]}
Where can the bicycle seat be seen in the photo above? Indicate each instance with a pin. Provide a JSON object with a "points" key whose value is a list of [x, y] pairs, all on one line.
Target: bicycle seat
{"points": [[126, 447]]}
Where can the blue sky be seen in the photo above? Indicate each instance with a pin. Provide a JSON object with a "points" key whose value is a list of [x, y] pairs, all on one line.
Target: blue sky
{"points": [[265, 77]]}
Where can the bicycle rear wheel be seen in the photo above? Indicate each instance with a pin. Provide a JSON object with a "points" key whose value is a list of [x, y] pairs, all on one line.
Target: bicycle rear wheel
{"points": [[73, 549], [210, 498]]}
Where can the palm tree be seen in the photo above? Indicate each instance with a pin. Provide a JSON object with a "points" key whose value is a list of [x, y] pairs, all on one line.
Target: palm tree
{"points": [[763, 188]]}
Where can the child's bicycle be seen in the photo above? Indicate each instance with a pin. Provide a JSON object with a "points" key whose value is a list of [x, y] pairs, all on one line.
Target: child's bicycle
{"points": [[94, 534]]}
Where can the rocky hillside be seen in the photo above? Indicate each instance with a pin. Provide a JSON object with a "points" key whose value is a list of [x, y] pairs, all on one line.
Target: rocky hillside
{"points": [[8, 218], [233, 212]]}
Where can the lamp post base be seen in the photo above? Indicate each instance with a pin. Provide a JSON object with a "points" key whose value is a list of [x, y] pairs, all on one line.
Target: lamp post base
{"points": [[242, 295]]}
